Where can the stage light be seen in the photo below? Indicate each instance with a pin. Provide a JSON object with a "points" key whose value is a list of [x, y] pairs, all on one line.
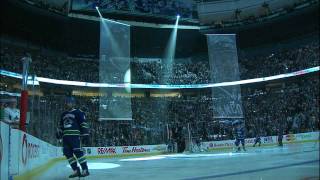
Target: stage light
{"points": [[104, 19], [178, 16]]}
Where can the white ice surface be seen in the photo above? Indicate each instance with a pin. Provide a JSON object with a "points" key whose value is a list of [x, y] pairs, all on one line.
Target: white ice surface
{"points": [[292, 162]]}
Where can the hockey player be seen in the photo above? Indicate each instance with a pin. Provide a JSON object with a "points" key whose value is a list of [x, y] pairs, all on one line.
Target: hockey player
{"points": [[257, 139], [198, 144], [280, 136], [72, 126], [239, 134]]}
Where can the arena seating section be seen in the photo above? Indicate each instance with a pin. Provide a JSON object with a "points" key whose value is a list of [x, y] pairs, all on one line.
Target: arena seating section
{"points": [[294, 106]]}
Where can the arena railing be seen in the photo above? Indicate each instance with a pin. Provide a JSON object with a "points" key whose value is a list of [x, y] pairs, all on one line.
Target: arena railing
{"points": [[33, 80]]}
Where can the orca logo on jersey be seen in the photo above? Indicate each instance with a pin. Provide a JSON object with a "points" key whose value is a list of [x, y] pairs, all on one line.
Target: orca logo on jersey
{"points": [[68, 120], [67, 123]]}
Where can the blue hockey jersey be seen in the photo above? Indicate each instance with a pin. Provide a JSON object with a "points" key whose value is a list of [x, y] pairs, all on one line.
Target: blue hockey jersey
{"points": [[73, 123], [239, 133]]}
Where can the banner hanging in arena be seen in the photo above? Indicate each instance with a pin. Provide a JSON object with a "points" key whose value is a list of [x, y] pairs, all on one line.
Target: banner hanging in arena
{"points": [[114, 68], [224, 66]]}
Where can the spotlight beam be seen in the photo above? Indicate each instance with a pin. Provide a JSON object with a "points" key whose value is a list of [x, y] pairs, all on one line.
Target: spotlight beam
{"points": [[170, 51], [115, 46]]}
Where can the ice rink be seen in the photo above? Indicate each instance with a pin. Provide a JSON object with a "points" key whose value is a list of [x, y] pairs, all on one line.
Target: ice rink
{"points": [[292, 161]]}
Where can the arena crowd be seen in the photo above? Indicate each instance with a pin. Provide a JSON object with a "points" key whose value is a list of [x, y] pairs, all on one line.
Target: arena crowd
{"points": [[291, 105], [152, 72]]}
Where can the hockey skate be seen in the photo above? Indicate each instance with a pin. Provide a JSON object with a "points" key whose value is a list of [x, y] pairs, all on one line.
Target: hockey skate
{"points": [[75, 174], [85, 173], [238, 149]]}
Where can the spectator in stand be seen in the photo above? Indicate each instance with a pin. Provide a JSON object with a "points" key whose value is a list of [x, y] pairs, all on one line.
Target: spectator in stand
{"points": [[2, 107], [11, 113]]}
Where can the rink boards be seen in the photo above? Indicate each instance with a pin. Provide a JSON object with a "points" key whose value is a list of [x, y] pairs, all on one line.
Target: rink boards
{"points": [[265, 141], [23, 152], [23, 156]]}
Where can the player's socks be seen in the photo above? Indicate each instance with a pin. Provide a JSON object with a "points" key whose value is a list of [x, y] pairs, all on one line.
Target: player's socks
{"points": [[82, 160], [75, 168], [83, 163]]}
